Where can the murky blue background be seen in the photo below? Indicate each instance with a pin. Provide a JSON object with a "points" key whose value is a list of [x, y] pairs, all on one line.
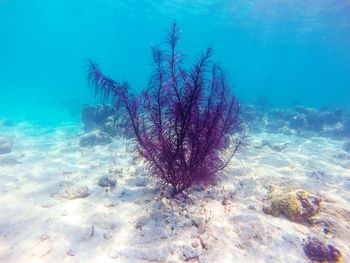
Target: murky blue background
{"points": [[293, 52]]}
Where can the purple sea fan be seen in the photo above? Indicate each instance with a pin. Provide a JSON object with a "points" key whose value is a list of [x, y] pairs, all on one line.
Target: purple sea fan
{"points": [[186, 124]]}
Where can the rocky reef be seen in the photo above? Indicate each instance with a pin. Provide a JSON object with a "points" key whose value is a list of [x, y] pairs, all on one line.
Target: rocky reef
{"points": [[101, 117], [99, 123], [302, 121]]}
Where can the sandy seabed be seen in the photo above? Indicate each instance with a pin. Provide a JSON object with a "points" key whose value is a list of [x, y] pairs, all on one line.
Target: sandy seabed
{"points": [[53, 210]]}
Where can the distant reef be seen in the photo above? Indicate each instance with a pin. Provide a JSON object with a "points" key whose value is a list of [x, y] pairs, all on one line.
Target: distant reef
{"points": [[301, 121]]}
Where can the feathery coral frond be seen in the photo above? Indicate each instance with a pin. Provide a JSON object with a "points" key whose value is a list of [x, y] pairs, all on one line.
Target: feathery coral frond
{"points": [[184, 121]]}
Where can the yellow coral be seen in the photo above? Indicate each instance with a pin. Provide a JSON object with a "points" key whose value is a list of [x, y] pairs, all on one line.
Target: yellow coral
{"points": [[297, 205]]}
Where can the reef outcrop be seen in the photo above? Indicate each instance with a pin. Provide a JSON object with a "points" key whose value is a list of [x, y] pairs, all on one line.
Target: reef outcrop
{"points": [[300, 121], [99, 117]]}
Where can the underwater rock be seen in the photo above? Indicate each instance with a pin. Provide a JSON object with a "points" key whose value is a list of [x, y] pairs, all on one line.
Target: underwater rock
{"points": [[8, 161], [279, 114], [5, 145], [302, 121], [286, 131], [107, 181], [71, 253], [96, 116], [88, 117], [297, 205], [347, 185], [334, 116], [251, 207], [346, 146], [102, 113], [298, 122], [249, 113], [302, 110], [275, 125], [110, 127], [336, 131], [314, 119], [318, 121], [346, 128], [273, 146], [342, 156], [6, 123], [253, 118], [107, 235], [74, 192], [190, 252], [95, 138], [318, 251]]}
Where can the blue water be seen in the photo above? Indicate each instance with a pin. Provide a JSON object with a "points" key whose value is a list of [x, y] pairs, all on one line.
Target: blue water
{"points": [[291, 52]]}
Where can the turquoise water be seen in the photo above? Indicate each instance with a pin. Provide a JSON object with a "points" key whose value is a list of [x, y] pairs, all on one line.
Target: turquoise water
{"points": [[72, 189], [290, 52]]}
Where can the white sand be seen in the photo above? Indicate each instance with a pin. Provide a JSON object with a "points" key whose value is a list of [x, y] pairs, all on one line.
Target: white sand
{"points": [[134, 223]]}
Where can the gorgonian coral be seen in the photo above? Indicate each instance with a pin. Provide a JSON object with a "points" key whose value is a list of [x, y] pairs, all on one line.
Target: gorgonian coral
{"points": [[186, 124]]}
